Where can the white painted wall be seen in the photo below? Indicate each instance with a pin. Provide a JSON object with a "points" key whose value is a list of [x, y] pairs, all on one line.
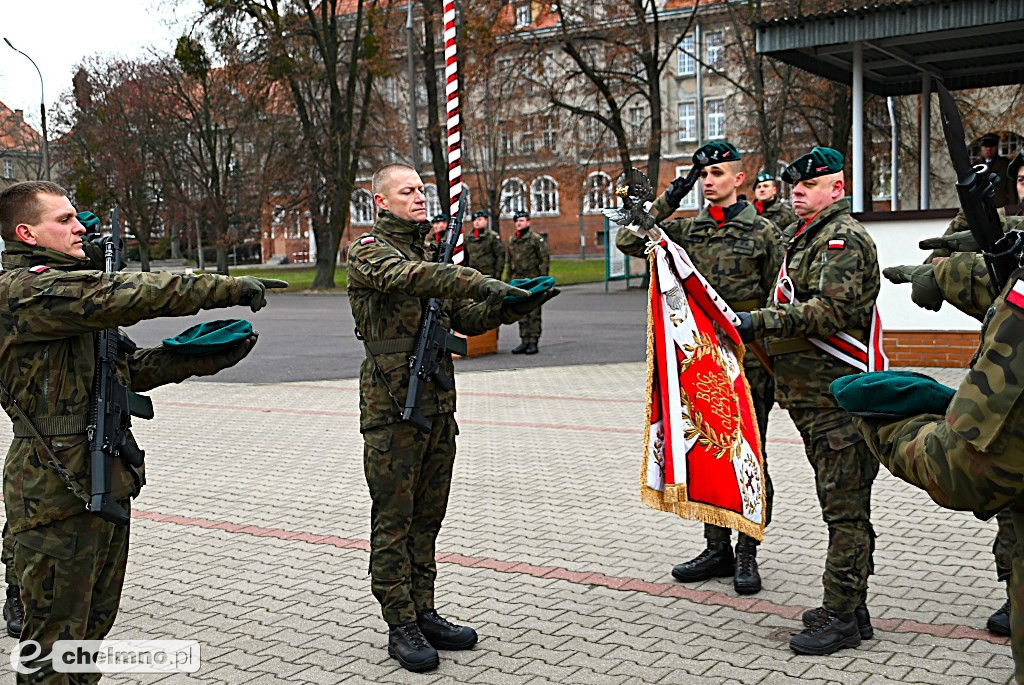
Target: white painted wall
{"points": [[897, 244]]}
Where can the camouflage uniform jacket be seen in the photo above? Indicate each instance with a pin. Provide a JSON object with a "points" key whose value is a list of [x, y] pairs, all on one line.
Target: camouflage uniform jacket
{"points": [[959, 223], [740, 258], [833, 265], [486, 252], [528, 256], [389, 275], [779, 213], [50, 309]]}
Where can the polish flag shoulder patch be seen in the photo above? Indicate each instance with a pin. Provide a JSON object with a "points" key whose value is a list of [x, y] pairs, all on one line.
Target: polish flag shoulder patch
{"points": [[1016, 295], [39, 269], [367, 239], [837, 244]]}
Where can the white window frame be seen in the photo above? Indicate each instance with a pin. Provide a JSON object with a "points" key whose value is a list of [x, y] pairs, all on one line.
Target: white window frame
{"points": [[714, 48], [596, 198], [524, 15], [544, 196], [687, 135], [635, 122], [714, 132], [513, 196], [694, 200], [362, 209], [686, 63], [433, 201], [8, 169]]}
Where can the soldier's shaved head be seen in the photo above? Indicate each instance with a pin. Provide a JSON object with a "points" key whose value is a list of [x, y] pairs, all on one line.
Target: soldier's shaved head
{"points": [[383, 177], [20, 204]]}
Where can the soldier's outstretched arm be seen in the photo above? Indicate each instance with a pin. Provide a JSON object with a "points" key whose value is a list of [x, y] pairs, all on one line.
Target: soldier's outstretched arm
{"points": [[60, 304], [382, 267], [152, 367]]}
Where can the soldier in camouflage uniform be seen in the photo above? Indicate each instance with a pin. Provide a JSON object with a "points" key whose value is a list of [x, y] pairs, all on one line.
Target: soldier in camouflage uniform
{"points": [[737, 251], [409, 472], [828, 285], [484, 249], [770, 205], [70, 563], [969, 460], [14, 611], [438, 227], [528, 257]]}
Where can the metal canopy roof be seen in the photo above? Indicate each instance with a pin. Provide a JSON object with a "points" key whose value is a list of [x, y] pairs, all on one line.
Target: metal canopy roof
{"points": [[966, 43]]}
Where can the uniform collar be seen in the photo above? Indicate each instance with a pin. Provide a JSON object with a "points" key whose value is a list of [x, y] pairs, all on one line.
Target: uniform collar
{"points": [[840, 206], [19, 255]]}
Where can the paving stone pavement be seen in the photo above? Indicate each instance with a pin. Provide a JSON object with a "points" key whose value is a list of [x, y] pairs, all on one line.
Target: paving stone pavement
{"points": [[251, 538]]}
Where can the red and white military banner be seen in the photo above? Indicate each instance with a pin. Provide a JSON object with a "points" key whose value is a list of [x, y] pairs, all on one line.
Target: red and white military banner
{"points": [[702, 449]]}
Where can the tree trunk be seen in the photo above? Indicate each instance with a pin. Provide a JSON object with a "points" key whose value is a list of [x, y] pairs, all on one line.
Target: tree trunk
{"points": [[222, 260], [143, 255]]}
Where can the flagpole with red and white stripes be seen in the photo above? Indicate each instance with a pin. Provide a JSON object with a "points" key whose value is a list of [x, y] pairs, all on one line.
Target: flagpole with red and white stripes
{"points": [[454, 135]]}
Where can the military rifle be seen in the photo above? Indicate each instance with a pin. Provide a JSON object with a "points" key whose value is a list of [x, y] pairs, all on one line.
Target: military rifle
{"points": [[976, 186], [113, 405], [433, 341]]}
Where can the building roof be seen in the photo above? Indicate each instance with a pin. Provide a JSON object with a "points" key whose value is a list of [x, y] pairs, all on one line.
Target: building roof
{"points": [[965, 43], [15, 134]]}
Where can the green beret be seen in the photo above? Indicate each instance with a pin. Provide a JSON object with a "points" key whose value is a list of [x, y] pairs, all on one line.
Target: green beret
{"points": [[891, 394], [439, 217], [1015, 164], [89, 220], [210, 336], [521, 214], [715, 153], [762, 177], [821, 161], [481, 214], [535, 285]]}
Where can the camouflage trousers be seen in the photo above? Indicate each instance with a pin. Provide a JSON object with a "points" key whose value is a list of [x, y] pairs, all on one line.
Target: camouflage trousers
{"points": [[529, 327], [1017, 598], [762, 390], [409, 474], [844, 471], [71, 573], [1004, 545], [7, 558]]}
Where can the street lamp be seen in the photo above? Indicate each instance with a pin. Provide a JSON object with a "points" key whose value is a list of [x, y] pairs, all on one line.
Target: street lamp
{"points": [[42, 110]]}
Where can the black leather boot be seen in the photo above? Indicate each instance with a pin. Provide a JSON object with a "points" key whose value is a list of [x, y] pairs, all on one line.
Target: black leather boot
{"points": [[863, 618], [14, 611], [444, 634], [998, 623], [746, 579], [407, 644], [531, 349], [520, 348], [716, 561], [833, 632]]}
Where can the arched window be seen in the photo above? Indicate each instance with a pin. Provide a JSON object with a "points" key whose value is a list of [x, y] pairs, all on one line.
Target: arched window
{"points": [[598, 193], [362, 207], [544, 196], [433, 201], [513, 197]]}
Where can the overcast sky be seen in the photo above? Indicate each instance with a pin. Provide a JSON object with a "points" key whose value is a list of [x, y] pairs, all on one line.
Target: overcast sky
{"points": [[58, 34]]}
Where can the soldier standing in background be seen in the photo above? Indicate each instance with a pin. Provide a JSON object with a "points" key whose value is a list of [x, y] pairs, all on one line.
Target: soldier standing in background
{"points": [[438, 226], [823, 323], [1006, 192], [528, 257], [409, 472], [70, 563], [738, 252], [484, 249], [769, 204]]}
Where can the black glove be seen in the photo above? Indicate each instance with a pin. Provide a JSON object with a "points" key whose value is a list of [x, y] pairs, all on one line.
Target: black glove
{"points": [[493, 291], [209, 364], [745, 327], [961, 241], [925, 290], [524, 307], [681, 186], [254, 290]]}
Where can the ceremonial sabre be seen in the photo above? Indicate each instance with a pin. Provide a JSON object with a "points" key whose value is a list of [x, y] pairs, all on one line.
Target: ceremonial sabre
{"points": [[454, 127]]}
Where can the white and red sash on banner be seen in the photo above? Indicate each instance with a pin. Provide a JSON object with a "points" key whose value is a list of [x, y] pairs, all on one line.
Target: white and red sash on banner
{"points": [[842, 345], [702, 449]]}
